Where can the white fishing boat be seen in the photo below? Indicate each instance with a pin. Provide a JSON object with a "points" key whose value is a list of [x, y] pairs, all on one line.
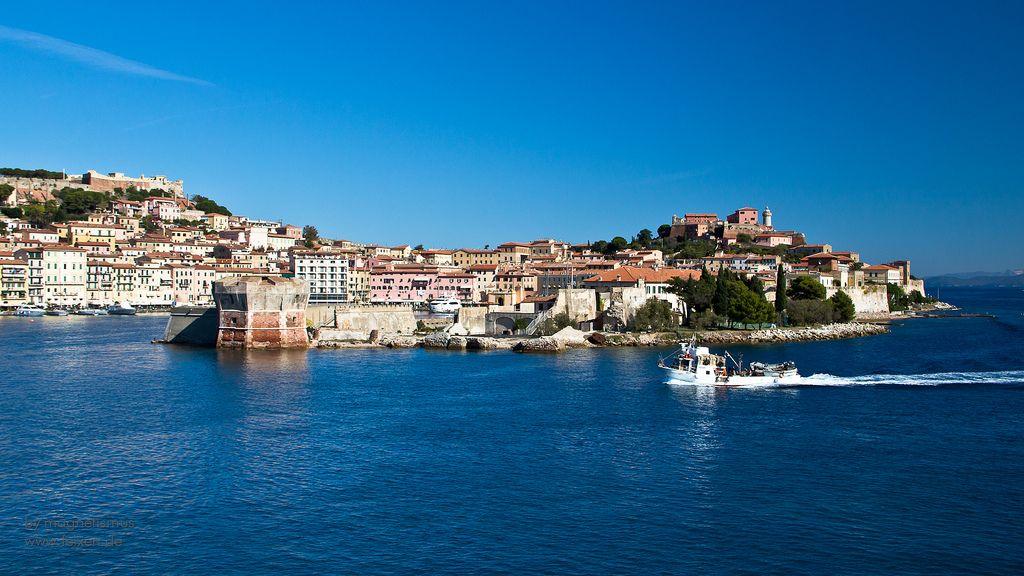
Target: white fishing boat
{"points": [[29, 310], [693, 364], [444, 305], [119, 309], [91, 312], [56, 312]]}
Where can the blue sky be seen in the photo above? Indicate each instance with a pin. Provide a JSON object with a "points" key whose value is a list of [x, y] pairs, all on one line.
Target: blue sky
{"points": [[889, 128]]}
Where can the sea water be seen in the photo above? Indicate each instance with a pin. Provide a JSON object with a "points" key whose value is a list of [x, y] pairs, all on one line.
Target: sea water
{"points": [[898, 454]]}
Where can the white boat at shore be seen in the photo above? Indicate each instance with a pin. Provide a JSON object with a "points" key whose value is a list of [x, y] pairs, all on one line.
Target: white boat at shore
{"points": [[29, 310], [444, 305], [693, 364], [119, 309], [91, 312]]}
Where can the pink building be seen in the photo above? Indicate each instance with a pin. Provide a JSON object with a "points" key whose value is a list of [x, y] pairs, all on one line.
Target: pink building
{"points": [[163, 208], [458, 285], [773, 239], [416, 283], [397, 283], [745, 215]]}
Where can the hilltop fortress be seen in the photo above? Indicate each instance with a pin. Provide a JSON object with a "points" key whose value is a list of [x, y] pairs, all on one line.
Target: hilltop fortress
{"points": [[41, 189]]}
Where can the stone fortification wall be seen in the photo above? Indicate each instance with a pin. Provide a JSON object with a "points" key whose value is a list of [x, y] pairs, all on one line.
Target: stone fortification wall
{"points": [[261, 312], [473, 319], [869, 300], [357, 322]]}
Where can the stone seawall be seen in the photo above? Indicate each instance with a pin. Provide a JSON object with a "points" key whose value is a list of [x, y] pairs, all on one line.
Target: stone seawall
{"points": [[359, 322], [571, 338]]}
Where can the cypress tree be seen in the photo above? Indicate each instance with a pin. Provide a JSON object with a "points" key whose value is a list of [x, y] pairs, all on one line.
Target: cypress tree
{"points": [[780, 290]]}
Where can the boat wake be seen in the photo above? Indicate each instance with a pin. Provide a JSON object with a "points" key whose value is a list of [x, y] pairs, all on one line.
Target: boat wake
{"points": [[937, 379]]}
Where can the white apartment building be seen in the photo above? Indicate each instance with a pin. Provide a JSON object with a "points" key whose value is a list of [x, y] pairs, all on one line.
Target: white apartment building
{"points": [[64, 275], [326, 272]]}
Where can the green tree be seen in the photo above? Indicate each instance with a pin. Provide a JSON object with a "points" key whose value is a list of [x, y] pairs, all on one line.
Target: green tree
{"points": [[806, 288], [418, 247], [209, 206], [615, 245], [521, 324], [810, 312], [11, 211], [310, 235], [136, 195], [42, 215], [692, 249], [755, 284], [842, 307], [703, 320], [148, 224], [600, 246], [898, 299], [697, 294], [78, 202], [780, 290], [40, 173], [654, 314], [748, 307], [562, 319], [644, 238], [720, 299], [664, 230], [916, 297], [744, 238]]}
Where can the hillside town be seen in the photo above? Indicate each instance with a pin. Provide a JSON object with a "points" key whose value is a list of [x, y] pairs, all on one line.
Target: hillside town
{"points": [[70, 241]]}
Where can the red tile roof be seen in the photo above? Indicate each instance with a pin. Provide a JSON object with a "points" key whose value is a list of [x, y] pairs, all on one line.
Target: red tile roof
{"points": [[650, 275]]}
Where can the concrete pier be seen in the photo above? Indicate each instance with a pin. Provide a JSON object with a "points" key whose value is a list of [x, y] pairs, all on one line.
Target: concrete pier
{"points": [[192, 325], [261, 312]]}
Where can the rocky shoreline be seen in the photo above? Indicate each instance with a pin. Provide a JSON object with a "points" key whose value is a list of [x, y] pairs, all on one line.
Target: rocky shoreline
{"points": [[572, 338]]}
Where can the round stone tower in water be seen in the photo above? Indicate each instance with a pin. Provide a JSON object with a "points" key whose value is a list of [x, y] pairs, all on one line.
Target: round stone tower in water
{"points": [[261, 312], [766, 217]]}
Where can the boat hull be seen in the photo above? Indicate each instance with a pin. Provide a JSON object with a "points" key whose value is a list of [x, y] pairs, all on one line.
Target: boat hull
{"points": [[444, 307], [689, 378]]}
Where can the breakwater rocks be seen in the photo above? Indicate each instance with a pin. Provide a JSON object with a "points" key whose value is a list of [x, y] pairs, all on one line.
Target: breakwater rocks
{"points": [[801, 334], [568, 338]]}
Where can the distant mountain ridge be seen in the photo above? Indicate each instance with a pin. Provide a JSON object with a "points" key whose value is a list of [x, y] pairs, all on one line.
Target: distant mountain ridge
{"points": [[1012, 278]]}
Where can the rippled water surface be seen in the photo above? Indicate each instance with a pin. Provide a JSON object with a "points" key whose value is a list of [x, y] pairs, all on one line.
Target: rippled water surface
{"points": [[903, 455]]}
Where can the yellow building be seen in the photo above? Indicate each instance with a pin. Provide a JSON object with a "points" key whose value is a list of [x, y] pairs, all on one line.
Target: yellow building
{"points": [[466, 257], [358, 284], [217, 222], [109, 234], [513, 253]]}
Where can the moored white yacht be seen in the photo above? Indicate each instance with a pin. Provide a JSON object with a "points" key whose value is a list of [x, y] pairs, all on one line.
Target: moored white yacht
{"points": [[697, 365], [29, 310], [119, 309], [444, 305]]}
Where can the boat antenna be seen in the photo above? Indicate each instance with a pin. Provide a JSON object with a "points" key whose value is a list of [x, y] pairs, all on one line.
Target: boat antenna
{"points": [[738, 365]]}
